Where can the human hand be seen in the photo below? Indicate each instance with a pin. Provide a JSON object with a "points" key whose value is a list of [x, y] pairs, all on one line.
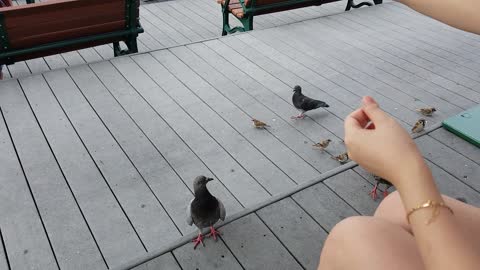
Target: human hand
{"points": [[379, 144]]}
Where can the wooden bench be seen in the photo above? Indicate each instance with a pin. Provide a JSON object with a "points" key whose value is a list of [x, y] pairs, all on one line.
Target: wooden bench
{"points": [[245, 10], [57, 26]]}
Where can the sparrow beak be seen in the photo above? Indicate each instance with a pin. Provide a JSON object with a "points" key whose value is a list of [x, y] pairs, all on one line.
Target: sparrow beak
{"points": [[209, 179]]}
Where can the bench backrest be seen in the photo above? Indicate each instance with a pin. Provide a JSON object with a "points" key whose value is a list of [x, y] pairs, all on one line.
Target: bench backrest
{"points": [[33, 25], [5, 3]]}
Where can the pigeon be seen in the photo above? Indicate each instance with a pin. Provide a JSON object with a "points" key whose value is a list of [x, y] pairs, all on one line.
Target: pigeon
{"points": [[323, 144], [419, 126], [427, 111], [259, 124], [204, 210], [380, 180], [342, 158], [304, 103]]}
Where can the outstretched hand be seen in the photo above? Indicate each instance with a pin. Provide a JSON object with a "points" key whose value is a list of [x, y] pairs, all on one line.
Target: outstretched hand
{"points": [[378, 143]]}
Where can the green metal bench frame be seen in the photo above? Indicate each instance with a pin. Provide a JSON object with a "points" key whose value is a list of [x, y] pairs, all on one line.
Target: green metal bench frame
{"points": [[252, 10], [129, 35]]}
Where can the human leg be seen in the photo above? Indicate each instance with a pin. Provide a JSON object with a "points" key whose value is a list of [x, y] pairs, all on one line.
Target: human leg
{"points": [[369, 243]]}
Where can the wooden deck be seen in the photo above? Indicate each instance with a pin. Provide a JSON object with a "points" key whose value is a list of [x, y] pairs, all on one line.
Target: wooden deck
{"points": [[98, 160], [168, 24]]}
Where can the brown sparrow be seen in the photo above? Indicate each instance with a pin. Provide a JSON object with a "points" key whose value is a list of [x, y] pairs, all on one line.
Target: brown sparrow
{"points": [[419, 126], [428, 111], [323, 144], [342, 158], [259, 124]]}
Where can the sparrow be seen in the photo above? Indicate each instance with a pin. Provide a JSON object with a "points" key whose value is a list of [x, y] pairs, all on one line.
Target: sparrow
{"points": [[304, 103], [380, 180], [204, 210], [323, 144], [419, 126], [342, 158], [259, 124], [427, 111]]}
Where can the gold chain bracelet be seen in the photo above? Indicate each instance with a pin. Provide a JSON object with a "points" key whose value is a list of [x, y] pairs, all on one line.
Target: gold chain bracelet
{"points": [[428, 204]]}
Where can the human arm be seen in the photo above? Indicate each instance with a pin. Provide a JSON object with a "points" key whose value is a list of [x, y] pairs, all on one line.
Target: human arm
{"points": [[459, 14], [386, 149]]}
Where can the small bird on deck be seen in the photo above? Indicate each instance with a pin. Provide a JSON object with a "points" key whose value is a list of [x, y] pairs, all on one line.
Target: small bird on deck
{"points": [[259, 124], [342, 158], [427, 111], [380, 180], [323, 144], [204, 210], [304, 103], [419, 126]]}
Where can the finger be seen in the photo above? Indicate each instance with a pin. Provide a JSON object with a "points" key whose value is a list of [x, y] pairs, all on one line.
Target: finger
{"points": [[360, 116], [372, 110]]}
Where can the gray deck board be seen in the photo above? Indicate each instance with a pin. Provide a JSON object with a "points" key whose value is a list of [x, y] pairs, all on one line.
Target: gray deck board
{"points": [[68, 234], [253, 95], [171, 191], [242, 151], [215, 255], [461, 146], [136, 197], [466, 45], [447, 68], [456, 164], [440, 49], [182, 158], [354, 190], [21, 226], [441, 79], [94, 196], [277, 157], [255, 246], [4, 265], [326, 207], [310, 125], [226, 169], [396, 65], [347, 77], [166, 261], [299, 232], [393, 76], [282, 130], [118, 143], [361, 72], [270, 62]]}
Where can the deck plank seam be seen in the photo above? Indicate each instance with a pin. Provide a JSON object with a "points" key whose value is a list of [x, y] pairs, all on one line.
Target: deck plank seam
{"points": [[234, 128], [4, 247], [185, 239], [30, 188], [97, 167], [206, 131], [177, 134], [125, 153]]}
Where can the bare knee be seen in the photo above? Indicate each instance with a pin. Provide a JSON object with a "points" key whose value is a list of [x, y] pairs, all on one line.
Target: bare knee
{"points": [[344, 240]]}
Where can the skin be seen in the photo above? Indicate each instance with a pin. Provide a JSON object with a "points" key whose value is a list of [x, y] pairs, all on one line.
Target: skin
{"points": [[385, 149], [461, 14]]}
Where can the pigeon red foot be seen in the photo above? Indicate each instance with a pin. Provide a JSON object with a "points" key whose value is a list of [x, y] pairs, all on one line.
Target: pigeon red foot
{"points": [[373, 193], [300, 116], [213, 233], [198, 240]]}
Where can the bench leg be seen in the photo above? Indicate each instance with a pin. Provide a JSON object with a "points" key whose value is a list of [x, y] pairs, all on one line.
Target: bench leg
{"points": [[226, 23], [351, 4], [247, 23], [131, 43]]}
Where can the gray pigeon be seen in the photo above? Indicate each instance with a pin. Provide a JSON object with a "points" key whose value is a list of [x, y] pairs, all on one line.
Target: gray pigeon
{"points": [[304, 103], [204, 210]]}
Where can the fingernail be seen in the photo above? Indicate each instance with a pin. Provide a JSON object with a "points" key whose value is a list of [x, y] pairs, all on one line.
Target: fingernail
{"points": [[367, 100]]}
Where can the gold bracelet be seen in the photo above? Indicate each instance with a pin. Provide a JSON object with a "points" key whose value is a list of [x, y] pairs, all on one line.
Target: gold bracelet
{"points": [[428, 204]]}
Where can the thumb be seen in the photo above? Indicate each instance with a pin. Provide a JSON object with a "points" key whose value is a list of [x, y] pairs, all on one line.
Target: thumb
{"points": [[372, 110]]}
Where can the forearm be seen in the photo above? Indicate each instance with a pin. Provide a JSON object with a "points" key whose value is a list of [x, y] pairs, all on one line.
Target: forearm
{"points": [[459, 14], [441, 243]]}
